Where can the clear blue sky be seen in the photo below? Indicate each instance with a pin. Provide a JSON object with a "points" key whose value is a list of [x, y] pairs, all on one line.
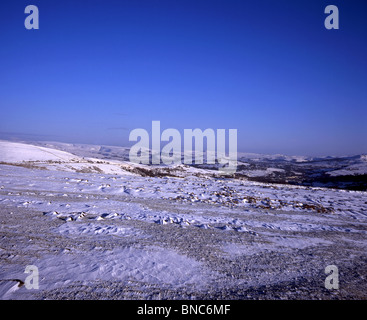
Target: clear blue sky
{"points": [[95, 70]]}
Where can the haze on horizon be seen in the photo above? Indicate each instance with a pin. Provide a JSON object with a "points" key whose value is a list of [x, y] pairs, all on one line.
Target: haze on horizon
{"points": [[95, 71]]}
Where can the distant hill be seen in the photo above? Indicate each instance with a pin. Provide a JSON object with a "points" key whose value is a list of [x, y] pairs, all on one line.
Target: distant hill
{"points": [[348, 172]]}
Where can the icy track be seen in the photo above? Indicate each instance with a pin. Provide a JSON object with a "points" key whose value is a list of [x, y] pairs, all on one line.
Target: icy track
{"points": [[108, 233]]}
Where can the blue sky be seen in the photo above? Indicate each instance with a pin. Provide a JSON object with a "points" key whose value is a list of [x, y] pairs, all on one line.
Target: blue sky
{"points": [[95, 70]]}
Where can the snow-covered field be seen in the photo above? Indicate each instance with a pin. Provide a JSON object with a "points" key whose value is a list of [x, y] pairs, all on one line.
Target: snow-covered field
{"points": [[97, 226]]}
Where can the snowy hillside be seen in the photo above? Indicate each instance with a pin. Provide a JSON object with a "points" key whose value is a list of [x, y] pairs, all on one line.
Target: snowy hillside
{"points": [[88, 150], [348, 172], [48, 158], [20, 152]]}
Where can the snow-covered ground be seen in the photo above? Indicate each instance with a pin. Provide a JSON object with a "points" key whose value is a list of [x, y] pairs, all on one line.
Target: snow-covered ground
{"points": [[15, 152], [99, 227]]}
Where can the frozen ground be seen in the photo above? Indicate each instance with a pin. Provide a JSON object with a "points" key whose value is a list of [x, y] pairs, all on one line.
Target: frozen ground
{"points": [[100, 228]]}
